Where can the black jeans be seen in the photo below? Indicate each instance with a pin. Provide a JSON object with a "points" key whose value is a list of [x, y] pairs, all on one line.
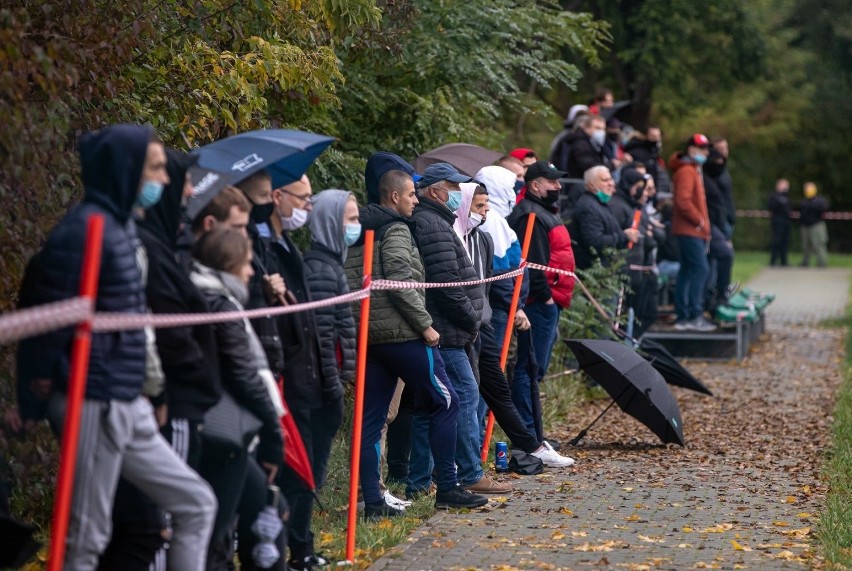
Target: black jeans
{"points": [[399, 437], [495, 390], [317, 428], [780, 243]]}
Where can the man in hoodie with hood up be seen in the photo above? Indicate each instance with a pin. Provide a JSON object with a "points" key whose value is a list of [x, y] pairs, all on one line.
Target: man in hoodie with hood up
{"points": [[691, 228], [123, 167], [402, 343]]}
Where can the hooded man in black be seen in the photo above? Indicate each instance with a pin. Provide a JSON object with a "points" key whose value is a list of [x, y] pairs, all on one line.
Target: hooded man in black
{"points": [[123, 168]]}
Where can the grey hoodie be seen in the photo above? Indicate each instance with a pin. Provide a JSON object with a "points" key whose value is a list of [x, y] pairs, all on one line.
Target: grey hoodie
{"points": [[326, 221]]}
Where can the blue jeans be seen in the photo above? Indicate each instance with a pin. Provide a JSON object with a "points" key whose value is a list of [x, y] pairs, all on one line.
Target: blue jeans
{"points": [[691, 279], [468, 463], [545, 328]]}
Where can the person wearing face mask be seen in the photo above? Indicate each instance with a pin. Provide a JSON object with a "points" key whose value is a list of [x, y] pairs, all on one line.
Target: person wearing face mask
{"points": [[457, 314], [494, 388], [720, 254], [595, 228], [123, 168], [585, 150], [691, 229], [549, 293], [646, 148]]}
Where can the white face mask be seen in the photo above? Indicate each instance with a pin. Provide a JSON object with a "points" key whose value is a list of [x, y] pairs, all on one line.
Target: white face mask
{"points": [[297, 219], [474, 220]]}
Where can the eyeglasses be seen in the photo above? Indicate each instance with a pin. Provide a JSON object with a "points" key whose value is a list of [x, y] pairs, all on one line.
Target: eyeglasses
{"points": [[306, 198]]}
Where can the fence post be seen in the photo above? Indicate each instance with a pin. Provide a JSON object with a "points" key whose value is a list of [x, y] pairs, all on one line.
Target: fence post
{"points": [[357, 422], [76, 389], [510, 325]]}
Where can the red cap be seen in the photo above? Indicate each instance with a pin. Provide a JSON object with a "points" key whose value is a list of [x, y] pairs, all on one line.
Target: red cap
{"points": [[698, 140], [521, 153]]}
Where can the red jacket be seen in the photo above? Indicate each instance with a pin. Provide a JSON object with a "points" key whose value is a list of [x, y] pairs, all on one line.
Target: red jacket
{"points": [[689, 216]]}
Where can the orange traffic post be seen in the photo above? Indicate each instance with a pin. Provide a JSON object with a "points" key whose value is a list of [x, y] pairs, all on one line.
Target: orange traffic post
{"points": [[76, 389], [507, 338], [357, 423]]}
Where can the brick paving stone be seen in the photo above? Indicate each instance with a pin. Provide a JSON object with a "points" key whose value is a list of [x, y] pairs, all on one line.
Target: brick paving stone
{"points": [[742, 494]]}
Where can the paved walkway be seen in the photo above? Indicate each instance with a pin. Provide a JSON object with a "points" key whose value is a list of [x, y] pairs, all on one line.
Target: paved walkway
{"points": [[742, 494]]}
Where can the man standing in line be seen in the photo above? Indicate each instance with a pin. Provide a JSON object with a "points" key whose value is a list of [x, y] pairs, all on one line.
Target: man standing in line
{"points": [[814, 231], [779, 207]]}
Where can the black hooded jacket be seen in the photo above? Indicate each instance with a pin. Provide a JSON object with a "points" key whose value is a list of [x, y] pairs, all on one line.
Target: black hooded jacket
{"points": [[112, 162], [456, 311], [188, 354], [582, 154], [596, 230]]}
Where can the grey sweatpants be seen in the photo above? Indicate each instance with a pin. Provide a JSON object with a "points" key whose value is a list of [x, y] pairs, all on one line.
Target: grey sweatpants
{"points": [[120, 438]]}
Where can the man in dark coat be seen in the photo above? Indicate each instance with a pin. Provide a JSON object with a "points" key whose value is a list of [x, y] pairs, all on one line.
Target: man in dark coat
{"points": [[812, 225], [584, 149], [457, 315], [720, 254], [779, 207], [123, 167]]}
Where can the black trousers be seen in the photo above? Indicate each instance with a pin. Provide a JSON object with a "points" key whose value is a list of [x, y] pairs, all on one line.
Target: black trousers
{"points": [[317, 428], [254, 499], [399, 437], [780, 243], [494, 388]]}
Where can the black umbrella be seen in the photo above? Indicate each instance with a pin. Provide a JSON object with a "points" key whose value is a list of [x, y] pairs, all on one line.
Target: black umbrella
{"points": [[633, 383], [468, 159], [673, 372], [620, 110]]}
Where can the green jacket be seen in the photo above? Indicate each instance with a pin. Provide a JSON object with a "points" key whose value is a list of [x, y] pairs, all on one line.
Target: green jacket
{"points": [[396, 316]]}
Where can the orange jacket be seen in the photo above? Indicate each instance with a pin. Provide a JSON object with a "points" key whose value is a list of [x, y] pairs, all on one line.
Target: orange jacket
{"points": [[689, 217]]}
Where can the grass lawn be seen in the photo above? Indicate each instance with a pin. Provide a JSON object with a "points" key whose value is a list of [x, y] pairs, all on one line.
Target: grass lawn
{"points": [[835, 529], [748, 264]]}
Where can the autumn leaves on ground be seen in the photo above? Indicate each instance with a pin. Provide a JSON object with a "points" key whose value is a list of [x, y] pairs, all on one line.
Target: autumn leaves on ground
{"points": [[746, 492]]}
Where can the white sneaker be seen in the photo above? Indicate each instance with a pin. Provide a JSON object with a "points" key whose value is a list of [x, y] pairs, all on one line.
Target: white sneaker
{"points": [[395, 502], [551, 458]]}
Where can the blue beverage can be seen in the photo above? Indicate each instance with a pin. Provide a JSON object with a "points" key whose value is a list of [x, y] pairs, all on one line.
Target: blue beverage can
{"points": [[501, 457]]}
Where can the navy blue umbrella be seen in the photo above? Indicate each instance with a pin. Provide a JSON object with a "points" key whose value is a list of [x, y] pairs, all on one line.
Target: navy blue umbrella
{"points": [[285, 154]]}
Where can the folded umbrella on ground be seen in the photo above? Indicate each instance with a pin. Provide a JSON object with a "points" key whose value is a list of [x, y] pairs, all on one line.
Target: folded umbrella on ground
{"points": [[637, 388]]}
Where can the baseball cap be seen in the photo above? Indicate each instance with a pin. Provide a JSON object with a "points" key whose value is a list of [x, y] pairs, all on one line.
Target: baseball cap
{"points": [[437, 172], [378, 165], [522, 153], [698, 140], [543, 169]]}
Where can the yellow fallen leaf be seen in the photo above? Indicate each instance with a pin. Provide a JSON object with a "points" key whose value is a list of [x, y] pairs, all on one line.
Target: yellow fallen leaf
{"points": [[605, 546], [500, 499], [634, 517], [565, 511], [804, 515], [557, 535], [780, 524], [579, 534], [722, 527], [686, 529], [384, 523], [797, 533], [739, 547], [684, 545], [627, 489], [790, 500], [740, 566], [806, 489], [638, 506], [326, 538], [650, 539]]}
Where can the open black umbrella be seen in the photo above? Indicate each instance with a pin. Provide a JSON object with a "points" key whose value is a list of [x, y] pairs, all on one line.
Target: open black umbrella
{"points": [[637, 388], [672, 371], [285, 154], [468, 159]]}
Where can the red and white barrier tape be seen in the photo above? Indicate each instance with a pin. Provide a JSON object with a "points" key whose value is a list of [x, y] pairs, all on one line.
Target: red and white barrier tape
{"points": [[43, 318], [37, 320], [794, 214], [124, 321]]}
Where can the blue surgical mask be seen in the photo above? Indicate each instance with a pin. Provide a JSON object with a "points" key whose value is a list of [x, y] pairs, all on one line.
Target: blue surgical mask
{"points": [[700, 159], [599, 137], [602, 196], [351, 233], [454, 201], [150, 194], [519, 184]]}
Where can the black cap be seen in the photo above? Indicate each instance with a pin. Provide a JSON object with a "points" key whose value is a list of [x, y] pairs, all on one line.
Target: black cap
{"points": [[543, 169]]}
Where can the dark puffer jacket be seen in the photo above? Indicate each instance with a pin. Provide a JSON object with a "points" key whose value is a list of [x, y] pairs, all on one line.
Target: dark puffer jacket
{"points": [[550, 246], [582, 154], [187, 353], [112, 161], [456, 311], [399, 315], [326, 279], [595, 230]]}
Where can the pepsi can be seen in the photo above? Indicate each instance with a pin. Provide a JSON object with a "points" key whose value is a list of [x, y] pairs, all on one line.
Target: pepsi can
{"points": [[501, 457]]}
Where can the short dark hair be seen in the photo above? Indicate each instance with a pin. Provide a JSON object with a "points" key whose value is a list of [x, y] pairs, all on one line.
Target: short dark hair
{"points": [[392, 181], [222, 249], [220, 207], [601, 94], [249, 183], [480, 189]]}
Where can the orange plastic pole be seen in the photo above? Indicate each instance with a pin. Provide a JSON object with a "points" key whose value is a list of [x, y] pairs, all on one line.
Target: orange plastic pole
{"points": [[76, 389], [507, 338], [355, 459]]}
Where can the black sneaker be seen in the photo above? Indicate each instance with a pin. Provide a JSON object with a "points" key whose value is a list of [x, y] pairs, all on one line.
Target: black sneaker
{"points": [[458, 497], [309, 562], [381, 509]]}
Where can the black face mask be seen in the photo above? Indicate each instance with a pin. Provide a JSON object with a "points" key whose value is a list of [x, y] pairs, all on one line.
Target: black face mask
{"points": [[261, 213], [552, 197], [612, 137], [519, 184], [714, 169]]}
